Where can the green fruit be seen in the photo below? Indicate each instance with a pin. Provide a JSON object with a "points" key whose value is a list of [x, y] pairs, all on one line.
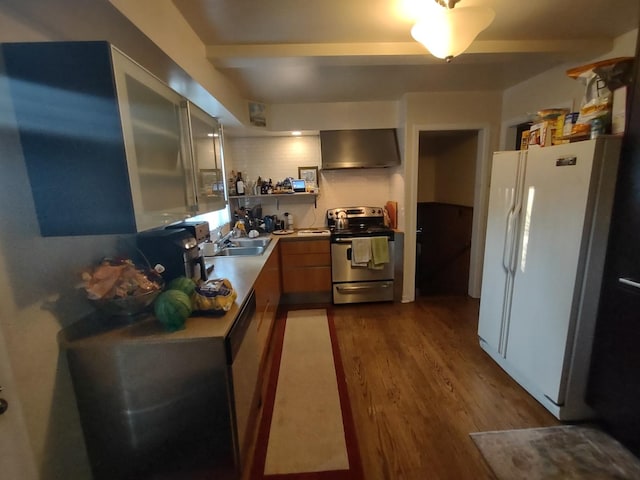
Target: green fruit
{"points": [[183, 284], [172, 307]]}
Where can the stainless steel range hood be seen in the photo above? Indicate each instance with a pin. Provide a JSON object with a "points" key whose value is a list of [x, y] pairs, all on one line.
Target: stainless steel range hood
{"points": [[373, 148]]}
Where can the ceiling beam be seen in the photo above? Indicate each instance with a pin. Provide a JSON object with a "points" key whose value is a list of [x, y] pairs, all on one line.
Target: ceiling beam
{"points": [[237, 55]]}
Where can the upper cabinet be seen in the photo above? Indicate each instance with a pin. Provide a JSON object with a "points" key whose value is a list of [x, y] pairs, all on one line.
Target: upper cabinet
{"points": [[109, 148], [207, 154]]}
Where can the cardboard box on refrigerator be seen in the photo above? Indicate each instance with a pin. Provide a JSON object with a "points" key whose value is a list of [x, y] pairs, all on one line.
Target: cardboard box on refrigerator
{"points": [[541, 133]]}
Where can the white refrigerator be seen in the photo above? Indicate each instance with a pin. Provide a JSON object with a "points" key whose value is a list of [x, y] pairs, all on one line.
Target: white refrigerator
{"points": [[547, 229]]}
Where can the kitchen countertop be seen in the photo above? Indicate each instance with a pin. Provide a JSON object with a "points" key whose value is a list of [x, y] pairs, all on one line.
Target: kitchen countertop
{"points": [[241, 271]]}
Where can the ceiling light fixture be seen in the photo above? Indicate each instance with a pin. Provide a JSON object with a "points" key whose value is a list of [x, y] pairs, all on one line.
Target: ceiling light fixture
{"points": [[447, 32]]}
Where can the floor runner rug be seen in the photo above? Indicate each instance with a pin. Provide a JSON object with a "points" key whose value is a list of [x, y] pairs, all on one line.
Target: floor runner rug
{"points": [[556, 453], [307, 429]]}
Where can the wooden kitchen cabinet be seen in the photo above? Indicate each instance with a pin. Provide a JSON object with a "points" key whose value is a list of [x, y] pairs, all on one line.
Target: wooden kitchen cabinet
{"points": [[107, 145], [206, 151], [306, 270], [268, 290]]}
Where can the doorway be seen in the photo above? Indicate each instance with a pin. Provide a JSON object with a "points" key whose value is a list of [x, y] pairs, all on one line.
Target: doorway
{"points": [[444, 218]]}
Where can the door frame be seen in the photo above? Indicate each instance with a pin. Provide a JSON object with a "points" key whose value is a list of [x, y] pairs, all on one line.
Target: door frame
{"points": [[481, 194]]}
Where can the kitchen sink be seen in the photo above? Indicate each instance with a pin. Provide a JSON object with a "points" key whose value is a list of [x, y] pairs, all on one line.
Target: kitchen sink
{"points": [[241, 251], [251, 242]]}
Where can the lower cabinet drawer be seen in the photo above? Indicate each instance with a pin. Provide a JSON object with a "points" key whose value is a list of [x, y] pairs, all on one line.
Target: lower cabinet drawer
{"points": [[305, 247], [306, 279]]}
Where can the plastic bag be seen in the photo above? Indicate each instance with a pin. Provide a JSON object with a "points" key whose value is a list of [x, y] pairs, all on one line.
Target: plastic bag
{"points": [[214, 297]]}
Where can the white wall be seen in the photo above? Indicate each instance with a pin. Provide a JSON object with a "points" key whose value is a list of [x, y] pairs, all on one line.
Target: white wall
{"points": [[37, 285], [447, 168], [333, 116], [455, 172], [427, 161]]}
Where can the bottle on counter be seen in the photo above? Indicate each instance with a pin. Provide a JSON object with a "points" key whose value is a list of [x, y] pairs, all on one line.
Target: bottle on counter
{"points": [[239, 184], [232, 183]]}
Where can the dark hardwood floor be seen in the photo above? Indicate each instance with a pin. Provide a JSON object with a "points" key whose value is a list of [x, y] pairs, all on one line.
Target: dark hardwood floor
{"points": [[419, 383]]}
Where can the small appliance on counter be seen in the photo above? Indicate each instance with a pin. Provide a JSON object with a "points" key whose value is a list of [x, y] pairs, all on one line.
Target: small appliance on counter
{"points": [[299, 185], [201, 232], [176, 249], [199, 229]]}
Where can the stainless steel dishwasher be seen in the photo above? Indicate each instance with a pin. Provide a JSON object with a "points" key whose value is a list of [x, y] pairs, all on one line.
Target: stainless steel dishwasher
{"points": [[150, 404], [243, 363]]}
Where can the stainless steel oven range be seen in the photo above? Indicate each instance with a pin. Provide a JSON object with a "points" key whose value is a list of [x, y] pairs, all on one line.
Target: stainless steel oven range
{"points": [[355, 281]]}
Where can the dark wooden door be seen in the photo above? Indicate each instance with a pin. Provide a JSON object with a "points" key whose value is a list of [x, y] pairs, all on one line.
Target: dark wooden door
{"points": [[614, 384]]}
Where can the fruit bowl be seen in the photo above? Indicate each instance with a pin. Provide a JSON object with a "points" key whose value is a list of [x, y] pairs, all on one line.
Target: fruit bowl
{"points": [[129, 305], [122, 288]]}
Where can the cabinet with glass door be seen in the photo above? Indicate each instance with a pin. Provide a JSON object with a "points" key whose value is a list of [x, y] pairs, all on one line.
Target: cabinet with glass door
{"points": [[208, 165], [107, 145]]}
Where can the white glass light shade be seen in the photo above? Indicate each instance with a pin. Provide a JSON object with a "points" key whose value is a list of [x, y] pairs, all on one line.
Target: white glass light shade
{"points": [[447, 32]]}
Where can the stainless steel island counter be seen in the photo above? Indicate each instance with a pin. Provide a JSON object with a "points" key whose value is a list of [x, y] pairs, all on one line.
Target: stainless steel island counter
{"points": [[153, 401]]}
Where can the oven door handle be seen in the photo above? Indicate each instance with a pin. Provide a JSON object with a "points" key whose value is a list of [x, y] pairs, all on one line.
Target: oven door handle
{"points": [[342, 240], [361, 288]]}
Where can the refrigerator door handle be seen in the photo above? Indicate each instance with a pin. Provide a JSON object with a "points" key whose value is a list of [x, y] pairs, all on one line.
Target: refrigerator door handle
{"points": [[507, 251], [629, 282], [510, 244]]}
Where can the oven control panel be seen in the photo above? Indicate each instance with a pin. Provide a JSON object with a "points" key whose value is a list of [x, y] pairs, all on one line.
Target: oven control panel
{"points": [[354, 213]]}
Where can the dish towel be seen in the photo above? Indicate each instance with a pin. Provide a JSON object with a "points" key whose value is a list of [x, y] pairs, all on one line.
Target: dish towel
{"points": [[379, 252], [360, 251]]}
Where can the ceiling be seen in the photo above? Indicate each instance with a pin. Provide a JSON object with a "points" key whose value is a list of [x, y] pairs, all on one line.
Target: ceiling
{"points": [[299, 51]]}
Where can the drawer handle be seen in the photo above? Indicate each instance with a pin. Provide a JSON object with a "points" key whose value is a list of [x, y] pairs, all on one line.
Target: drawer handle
{"points": [[629, 282]]}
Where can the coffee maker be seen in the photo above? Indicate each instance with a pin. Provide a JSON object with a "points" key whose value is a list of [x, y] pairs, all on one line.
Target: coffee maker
{"points": [[176, 249], [199, 230]]}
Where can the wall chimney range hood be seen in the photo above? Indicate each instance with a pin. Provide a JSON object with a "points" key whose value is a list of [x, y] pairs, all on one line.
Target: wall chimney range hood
{"points": [[371, 148]]}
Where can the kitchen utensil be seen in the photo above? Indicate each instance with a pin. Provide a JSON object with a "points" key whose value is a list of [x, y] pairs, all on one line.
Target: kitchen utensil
{"points": [[342, 223]]}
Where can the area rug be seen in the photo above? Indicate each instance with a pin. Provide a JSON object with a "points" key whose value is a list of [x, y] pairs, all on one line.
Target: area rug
{"points": [[307, 429], [555, 453]]}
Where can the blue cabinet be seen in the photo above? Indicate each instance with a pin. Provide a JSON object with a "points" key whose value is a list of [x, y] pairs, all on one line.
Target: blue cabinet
{"points": [[107, 145]]}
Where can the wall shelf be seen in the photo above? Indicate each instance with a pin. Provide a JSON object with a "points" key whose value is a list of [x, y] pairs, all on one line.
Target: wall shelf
{"points": [[278, 197]]}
